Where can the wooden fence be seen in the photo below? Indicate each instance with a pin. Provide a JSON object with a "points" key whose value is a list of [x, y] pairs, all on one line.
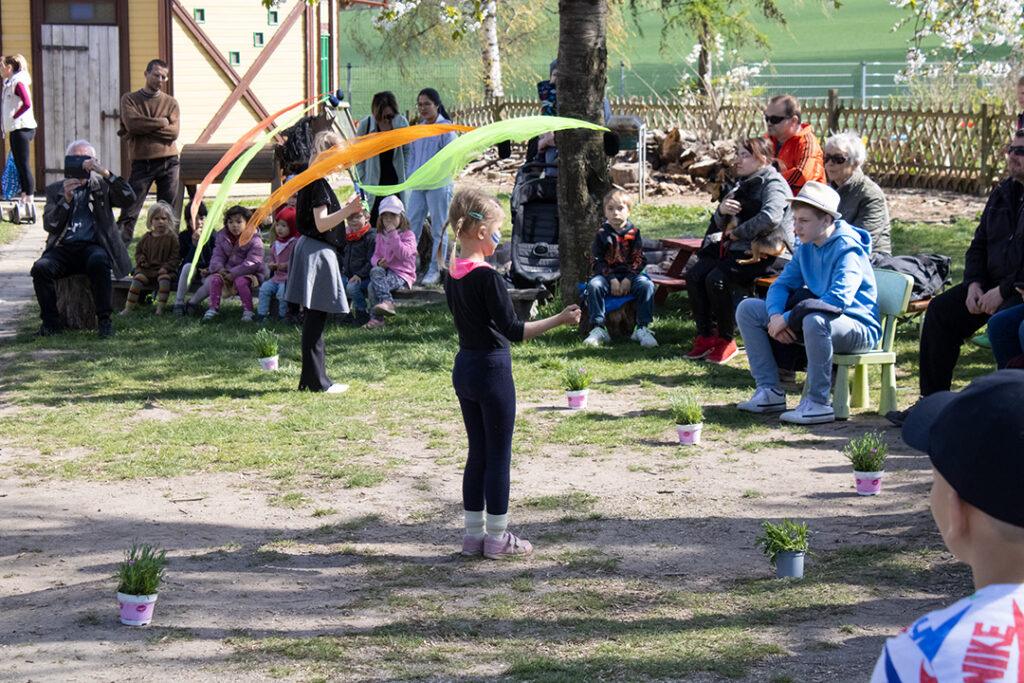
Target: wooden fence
{"points": [[955, 148]]}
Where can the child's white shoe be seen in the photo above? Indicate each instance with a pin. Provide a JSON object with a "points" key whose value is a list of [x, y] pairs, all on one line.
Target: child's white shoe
{"points": [[246, 316], [210, 314], [645, 337], [337, 388], [597, 337]]}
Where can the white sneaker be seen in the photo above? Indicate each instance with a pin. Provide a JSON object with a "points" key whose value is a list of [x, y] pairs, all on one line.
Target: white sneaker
{"points": [[764, 400], [809, 413], [210, 314], [336, 389], [597, 337], [645, 337], [246, 316]]}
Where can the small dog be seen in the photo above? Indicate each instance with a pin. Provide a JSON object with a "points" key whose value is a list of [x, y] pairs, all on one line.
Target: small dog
{"points": [[768, 244], [620, 287]]}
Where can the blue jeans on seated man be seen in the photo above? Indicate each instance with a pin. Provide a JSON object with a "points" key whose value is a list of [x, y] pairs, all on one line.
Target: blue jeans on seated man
{"points": [[1006, 333], [822, 338], [269, 290], [357, 293], [642, 289]]}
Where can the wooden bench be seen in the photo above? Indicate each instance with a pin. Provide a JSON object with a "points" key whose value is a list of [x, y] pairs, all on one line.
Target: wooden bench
{"points": [[196, 160], [672, 280]]}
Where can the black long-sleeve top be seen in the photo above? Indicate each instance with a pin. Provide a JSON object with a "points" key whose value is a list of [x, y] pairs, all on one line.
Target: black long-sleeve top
{"points": [[482, 308]]}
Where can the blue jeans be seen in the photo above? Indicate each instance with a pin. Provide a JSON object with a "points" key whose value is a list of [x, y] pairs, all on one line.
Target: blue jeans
{"points": [[357, 292], [642, 289], [822, 337], [267, 291], [435, 203], [1006, 332]]}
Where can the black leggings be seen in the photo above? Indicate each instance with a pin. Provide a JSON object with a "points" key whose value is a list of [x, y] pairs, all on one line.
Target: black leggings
{"points": [[487, 395], [20, 140], [314, 374], [716, 286]]}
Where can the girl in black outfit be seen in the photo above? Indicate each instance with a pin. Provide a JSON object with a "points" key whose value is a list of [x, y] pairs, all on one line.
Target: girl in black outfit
{"points": [[482, 376], [314, 276]]}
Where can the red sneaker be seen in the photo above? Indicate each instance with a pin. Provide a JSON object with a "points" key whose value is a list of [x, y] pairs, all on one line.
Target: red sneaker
{"points": [[723, 352], [702, 346]]}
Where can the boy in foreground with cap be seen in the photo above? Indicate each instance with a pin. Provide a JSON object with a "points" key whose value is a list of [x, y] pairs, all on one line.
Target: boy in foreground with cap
{"points": [[825, 297], [978, 504]]}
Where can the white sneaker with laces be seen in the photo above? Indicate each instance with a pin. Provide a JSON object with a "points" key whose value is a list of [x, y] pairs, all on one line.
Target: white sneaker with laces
{"points": [[764, 400], [809, 413], [645, 337], [597, 337]]}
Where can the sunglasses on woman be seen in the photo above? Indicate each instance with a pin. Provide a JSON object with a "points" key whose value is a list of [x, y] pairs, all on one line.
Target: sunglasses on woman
{"points": [[837, 159], [1015, 150], [390, 116], [775, 119]]}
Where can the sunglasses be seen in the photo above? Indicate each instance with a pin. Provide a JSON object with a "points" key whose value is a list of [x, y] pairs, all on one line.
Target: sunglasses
{"points": [[1015, 151], [388, 117], [838, 159], [775, 119]]}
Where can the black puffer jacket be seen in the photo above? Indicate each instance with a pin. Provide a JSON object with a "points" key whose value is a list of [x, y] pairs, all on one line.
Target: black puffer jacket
{"points": [[996, 255], [357, 257]]}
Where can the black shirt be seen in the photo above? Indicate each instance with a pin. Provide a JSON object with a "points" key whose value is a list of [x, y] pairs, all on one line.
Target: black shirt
{"points": [[187, 249], [81, 224], [318, 193], [482, 308], [388, 175]]}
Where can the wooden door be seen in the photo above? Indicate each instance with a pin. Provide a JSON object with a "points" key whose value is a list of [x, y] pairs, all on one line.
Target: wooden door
{"points": [[81, 94]]}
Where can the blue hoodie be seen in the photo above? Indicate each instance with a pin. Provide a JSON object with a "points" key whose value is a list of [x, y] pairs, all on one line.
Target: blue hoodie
{"points": [[838, 272]]}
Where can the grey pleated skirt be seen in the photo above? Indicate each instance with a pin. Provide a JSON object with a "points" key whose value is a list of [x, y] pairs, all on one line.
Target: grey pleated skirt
{"points": [[314, 277]]}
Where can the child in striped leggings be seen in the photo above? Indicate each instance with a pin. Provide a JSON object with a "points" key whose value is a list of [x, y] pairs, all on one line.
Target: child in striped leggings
{"points": [[156, 258]]}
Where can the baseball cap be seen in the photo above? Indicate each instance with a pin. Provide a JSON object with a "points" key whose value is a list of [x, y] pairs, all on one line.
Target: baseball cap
{"points": [[820, 196], [975, 439], [391, 204]]}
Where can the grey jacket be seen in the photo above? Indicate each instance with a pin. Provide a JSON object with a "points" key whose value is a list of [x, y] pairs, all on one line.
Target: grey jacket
{"points": [[104, 195], [763, 196], [862, 203], [368, 171]]}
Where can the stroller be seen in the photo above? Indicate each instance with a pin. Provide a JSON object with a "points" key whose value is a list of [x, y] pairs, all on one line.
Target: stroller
{"points": [[534, 210]]}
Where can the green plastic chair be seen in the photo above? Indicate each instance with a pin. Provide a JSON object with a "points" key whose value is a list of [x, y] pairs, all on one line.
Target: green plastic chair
{"points": [[894, 291]]}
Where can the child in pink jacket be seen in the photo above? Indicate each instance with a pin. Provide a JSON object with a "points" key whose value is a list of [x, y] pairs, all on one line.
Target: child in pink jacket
{"points": [[235, 264], [394, 259]]}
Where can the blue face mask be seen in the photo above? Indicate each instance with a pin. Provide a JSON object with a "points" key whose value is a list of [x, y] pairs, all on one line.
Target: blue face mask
{"points": [[496, 238]]}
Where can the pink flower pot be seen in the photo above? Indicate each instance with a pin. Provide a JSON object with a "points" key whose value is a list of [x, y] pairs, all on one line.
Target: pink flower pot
{"points": [[577, 399], [136, 610], [269, 363], [868, 483], [689, 435]]}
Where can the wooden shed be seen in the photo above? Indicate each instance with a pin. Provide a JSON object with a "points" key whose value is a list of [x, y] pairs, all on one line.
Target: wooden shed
{"points": [[231, 63]]}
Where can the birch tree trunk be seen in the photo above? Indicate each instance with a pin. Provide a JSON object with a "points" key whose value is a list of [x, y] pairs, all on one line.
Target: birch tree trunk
{"points": [[582, 164], [491, 52]]}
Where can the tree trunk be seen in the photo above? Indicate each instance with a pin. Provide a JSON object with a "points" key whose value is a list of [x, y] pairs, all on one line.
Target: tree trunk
{"points": [[74, 303], [704, 60], [582, 165], [491, 53]]}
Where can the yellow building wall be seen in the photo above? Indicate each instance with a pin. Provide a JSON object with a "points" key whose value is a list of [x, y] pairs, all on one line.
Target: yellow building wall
{"points": [[198, 85], [143, 39], [15, 21]]}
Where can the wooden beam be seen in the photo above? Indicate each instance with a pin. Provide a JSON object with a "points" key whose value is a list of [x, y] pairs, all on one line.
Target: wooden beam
{"points": [[166, 40], [250, 75], [218, 59], [312, 27]]}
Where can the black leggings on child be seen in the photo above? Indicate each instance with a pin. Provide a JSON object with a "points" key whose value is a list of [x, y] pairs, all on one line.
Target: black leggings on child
{"points": [[487, 396], [314, 374]]}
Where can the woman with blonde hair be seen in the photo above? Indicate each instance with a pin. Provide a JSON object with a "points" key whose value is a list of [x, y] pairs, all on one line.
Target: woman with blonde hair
{"points": [[17, 121]]}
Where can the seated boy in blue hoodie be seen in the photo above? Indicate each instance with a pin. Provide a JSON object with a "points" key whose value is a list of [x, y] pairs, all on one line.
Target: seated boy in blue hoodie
{"points": [[831, 275]]}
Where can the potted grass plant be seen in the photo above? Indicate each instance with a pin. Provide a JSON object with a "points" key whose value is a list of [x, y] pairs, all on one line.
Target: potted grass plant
{"points": [[139, 577], [265, 345], [785, 544], [689, 418], [576, 382], [867, 454]]}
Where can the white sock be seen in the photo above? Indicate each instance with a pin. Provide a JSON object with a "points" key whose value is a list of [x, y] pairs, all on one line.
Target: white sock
{"points": [[496, 525], [474, 522]]}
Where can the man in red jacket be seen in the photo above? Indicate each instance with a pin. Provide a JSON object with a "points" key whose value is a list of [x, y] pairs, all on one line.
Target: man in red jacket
{"points": [[798, 155]]}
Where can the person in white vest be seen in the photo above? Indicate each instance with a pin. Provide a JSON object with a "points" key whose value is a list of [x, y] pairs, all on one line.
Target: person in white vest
{"points": [[18, 123]]}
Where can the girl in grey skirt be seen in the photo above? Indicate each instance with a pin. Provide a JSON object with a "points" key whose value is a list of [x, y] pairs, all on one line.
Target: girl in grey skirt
{"points": [[314, 276]]}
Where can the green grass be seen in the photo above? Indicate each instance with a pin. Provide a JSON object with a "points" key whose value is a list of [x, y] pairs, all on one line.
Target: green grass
{"points": [[9, 232]]}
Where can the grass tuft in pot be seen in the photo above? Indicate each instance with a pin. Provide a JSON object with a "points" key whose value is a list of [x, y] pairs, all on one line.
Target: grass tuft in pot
{"points": [[785, 537], [264, 343], [142, 570], [686, 410], [576, 379], [867, 452]]}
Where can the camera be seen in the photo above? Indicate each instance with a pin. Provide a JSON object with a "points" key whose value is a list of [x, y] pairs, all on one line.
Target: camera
{"points": [[74, 166]]}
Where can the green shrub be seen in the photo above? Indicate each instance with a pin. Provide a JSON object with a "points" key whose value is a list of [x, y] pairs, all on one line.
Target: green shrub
{"points": [[786, 536], [264, 343], [142, 570], [686, 410], [576, 379], [867, 453]]}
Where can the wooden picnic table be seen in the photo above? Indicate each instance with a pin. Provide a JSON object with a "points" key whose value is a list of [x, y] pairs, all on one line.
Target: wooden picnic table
{"points": [[672, 280]]}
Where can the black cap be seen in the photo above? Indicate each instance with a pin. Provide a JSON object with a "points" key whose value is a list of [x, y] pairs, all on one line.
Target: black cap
{"points": [[975, 439]]}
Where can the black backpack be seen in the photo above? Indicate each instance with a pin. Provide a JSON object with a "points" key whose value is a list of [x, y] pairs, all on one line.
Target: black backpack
{"points": [[930, 272], [298, 146]]}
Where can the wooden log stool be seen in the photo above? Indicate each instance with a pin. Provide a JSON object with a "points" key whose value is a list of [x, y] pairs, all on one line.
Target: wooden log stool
{"points": [[619, 323], [74, 303]]}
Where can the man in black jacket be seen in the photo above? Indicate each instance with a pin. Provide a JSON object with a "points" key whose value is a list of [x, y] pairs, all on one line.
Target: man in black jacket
{"points": [[83, 238], [994, 261]]}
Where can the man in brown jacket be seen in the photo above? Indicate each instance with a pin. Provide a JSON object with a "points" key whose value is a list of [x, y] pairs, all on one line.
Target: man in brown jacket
{"points": [[149, 123]]}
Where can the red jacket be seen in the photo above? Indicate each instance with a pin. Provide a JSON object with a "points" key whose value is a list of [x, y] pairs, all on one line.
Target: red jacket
{"points": [[800, 159]]}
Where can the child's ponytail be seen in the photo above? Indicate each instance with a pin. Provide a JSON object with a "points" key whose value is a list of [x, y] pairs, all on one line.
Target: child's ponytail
{"points": [[470, 209]]}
